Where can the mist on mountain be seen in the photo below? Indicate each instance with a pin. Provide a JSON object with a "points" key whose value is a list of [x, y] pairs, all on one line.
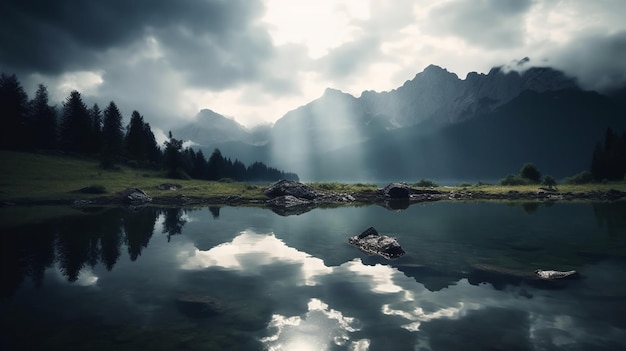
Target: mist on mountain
{"points": [[435, 125]]}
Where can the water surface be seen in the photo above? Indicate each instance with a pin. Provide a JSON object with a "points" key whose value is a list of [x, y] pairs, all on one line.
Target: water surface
{"points": [[118, 279]]}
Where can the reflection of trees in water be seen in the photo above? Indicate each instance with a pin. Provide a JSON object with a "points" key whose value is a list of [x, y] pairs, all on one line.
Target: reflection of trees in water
{"points": [[532, 206], [215, 211], [73, 243], [25, 251], [173, 222], [612, 216], [138, 228], [74, 246]]}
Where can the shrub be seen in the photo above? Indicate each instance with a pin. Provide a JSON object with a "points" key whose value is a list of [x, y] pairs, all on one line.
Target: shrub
{"points": [[529, 171], [584, 177], [426, 183], [549, 181], [514, 179]]}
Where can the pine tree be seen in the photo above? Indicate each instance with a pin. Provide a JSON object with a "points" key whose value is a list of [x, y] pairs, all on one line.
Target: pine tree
{"points": [[215, 167], [172, 157], [13, 113], [75, 133], [135, 143], [43, 120], [96, 129], [153, 152], [200, 166], [112, 136]]}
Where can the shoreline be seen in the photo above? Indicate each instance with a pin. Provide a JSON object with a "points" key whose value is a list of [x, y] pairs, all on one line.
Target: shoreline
{"points": [[332, 198]]}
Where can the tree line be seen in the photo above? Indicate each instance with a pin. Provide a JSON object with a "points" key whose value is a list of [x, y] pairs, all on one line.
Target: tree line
{"points": [[33, 124], [608, 163]]}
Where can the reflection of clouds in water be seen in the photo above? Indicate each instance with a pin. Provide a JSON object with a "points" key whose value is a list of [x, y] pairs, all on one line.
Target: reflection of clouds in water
{"points": [[249, 251], [417, 315], [317, 330], [381, 277], [381, 296]]}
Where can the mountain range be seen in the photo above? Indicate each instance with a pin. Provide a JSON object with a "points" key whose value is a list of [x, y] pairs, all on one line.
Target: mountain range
{"points": [[435, 125]]}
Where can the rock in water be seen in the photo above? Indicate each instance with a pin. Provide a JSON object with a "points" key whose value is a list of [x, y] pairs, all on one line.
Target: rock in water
{"points": [[373, 243], [552, 275]]}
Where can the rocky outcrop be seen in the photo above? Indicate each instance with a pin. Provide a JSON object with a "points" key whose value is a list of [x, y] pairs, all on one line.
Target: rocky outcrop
{"points": [[135, 196], [290, 187], [373, 243], [290, 197], [397, 191]]}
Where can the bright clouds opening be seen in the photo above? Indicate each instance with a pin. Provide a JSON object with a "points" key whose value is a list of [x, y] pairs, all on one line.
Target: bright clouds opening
{"points": [[320, 327], [249, 251], [320, 26]]}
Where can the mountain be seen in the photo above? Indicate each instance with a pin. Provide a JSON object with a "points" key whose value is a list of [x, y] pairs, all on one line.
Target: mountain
{"points": [[210, 128], [435, 126], [556, 130]]}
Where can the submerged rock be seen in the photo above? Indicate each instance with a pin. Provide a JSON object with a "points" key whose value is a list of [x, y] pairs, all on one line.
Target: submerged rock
{"points": [[135, 196], [552, 275], [373, 243], [290, 187]]}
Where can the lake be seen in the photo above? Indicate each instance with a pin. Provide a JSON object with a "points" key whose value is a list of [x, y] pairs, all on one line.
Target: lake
{"points": [[243, 278]]}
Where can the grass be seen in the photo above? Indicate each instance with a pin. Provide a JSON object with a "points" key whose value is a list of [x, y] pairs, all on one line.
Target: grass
{"points": [[565, 188], [343, 187], [57, 177]]}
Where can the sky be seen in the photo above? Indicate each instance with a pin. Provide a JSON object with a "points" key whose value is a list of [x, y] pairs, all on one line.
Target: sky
{"points": [[255, 60]]}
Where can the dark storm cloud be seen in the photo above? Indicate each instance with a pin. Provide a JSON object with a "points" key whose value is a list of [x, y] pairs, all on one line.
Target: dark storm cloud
{"points": [[598, 61], [216, 38], [485, 23]]}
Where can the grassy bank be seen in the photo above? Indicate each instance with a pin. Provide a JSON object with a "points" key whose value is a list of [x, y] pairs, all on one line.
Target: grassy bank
{"points": [[58, 177]]}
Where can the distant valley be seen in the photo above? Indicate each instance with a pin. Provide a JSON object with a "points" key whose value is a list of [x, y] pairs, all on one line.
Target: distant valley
{"points": [[434, 126]]}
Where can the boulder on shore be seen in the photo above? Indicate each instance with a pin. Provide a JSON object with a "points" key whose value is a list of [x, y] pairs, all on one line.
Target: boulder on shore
{"points": [[397, 191], [290, 187], [373, 243], [135, 196]]}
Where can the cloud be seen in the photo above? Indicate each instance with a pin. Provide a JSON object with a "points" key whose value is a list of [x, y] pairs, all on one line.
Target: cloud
{"points": [[215, 43], [487, 23], [350, 58], [258, 59], [598, 61]]}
